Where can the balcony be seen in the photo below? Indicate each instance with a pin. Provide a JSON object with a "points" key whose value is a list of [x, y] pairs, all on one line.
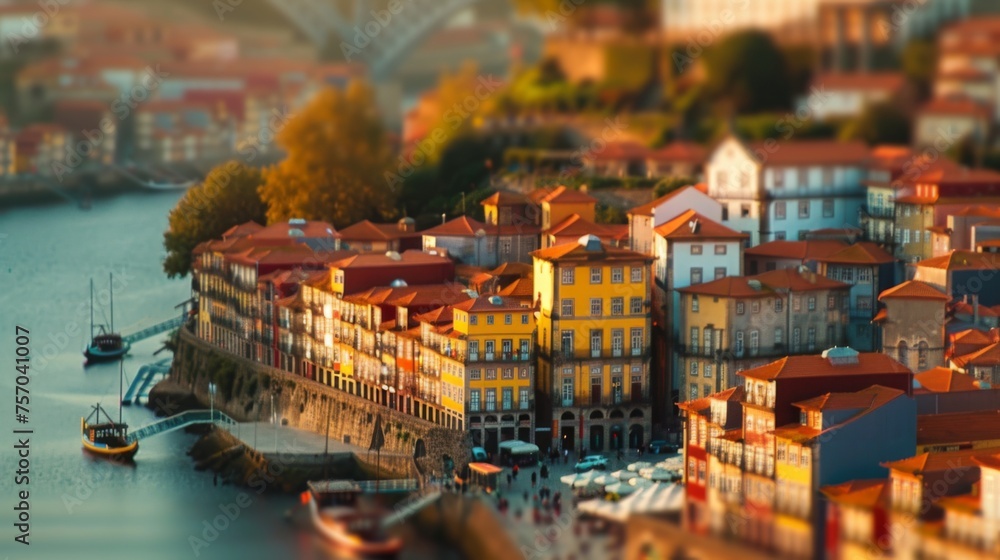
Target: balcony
{"points": [[884, 212]]}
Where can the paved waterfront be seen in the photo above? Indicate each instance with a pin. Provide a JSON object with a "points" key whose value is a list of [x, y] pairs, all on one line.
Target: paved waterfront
{"points": [[267, 438]]}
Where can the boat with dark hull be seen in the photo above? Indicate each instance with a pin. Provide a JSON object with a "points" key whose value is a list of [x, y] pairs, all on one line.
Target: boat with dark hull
{"points": [[107, 345]]}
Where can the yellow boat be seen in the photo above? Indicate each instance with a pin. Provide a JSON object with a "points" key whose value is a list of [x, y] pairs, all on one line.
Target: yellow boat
{"points": [[108, 440]]}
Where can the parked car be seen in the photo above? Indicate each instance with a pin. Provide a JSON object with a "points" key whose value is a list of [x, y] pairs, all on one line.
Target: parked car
{"points": [[479, 454], [591, 462], [662, 446]]}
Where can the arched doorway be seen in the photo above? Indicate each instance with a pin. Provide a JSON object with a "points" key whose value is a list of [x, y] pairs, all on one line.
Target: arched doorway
{"points": [[596, 439], [419, 449], [635, 436], [524, 428], [904, 353], [567, 439], [507, 427], [617, 439], [492, 442]]}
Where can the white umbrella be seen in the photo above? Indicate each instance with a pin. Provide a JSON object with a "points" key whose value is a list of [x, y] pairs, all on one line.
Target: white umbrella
{"points": [[604, 480], [621, 488], [672, 464], [626, 476], [636, 467], [568, 479], [659, 475], [585, 480], [640, 482]]}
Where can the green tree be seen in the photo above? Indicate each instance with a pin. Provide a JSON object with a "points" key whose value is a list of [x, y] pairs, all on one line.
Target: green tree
{"points": [[605, 214], [227, 197], [746, 72], [879, 123], [338, 162]]}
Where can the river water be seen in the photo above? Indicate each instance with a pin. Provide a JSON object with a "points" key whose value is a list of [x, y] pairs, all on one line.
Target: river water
{"points": [[82, 508]]}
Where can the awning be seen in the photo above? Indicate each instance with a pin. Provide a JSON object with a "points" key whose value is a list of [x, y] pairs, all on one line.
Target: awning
{"points": [[484, 468]]}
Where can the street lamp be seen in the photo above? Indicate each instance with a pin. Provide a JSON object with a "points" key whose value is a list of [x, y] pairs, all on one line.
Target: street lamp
{"points": [[211, 398]]}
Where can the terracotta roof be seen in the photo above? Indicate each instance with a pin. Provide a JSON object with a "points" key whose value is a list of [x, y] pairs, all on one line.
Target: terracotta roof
{"points": [[817, 366], [978, 210], [366, 230], [574, 252], [513, 269], [412, 256], [991, 461], [576, 226], [560, 195], [522, 287], [732, 394], [680, 151], [872, 397], [964, 308], [796, 432], [423, 294], [913, 289], [486, 303], [439, 316], [938, 461], [822, 152], [958, 428], [647, 209], [800, 250], [697, 405], [968, 341], [864, 252], [882, 315], [692, 225], [960, 259], [730, 286], [970, 503], [859, 493], [988, 356], [620, 150], [242, 230], [793, 279], [311, 229], [861, 80], [505, 198], [957, 105], [944, 380], [464, 226]]}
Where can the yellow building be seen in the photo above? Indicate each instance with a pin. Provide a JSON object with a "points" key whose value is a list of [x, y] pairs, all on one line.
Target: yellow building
{"points": [[560, 203], [594, 346]]}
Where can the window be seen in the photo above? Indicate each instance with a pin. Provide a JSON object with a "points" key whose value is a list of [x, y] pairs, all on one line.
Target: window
{"points": [[475, 374], [508, 373], [828, 208], [864, 303], [708, 341], [803, 209], [755, 306], [778, 304], [473, 319], [740, 308], [491, 373], [489, 319], [596, 341], [695, 249], [779, 210], [567, 342], [744, 210], [491, 399], [508, 319], [567, 307], [796, 303], [778, 333], [708, 369], [617, 275], [635, 305], [695, 275], [804, 458], [524, 318], [523, 373], [812, 303], [618, 306], [720, 272], [637, 342], [694, 339], [595, 307], [474, 400], [523, 400], [779, 236], [567, 391], [725, 213], [828, 177], [595, 275], [694, 303], [694, 392], [739, 343], [636, 274], [473, 350], [567, 276], [720, 249], [694, 369], [617, 342], [831, 302], [864, 276], [811, 338], [779, 178], [803, 177], [754, 342], [796, 339]]}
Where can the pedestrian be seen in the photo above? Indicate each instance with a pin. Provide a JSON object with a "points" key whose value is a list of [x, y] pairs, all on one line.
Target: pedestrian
{"points": [[526, 497], [509, 480], [534, 478], [565, 456], [516, 470], [545, 472]]}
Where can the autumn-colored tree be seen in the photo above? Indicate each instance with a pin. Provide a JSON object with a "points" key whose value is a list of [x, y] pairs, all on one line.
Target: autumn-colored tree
{"points": [[227, 197], [337, 156]]}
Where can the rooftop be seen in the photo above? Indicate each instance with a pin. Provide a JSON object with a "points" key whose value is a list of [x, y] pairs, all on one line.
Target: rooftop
{"points": [[861, 80], [487, 303], [799, 250], [691, 225], [867, 363], [369, 260], [958, 428], [872, 397], [818, 152], [505, 198], [560, 195], [944, 380], [939, 461], [859, 493], [862, 253], [587, 249], [648, 208], [913, 289], [960, 259], [366, 230]]}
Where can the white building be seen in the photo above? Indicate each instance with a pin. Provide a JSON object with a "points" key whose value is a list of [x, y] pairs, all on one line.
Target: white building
{"points": [[784, 189], [702, 19], [643, 219]]}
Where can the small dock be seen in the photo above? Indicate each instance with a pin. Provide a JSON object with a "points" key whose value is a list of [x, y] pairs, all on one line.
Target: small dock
{"points": [[144, 379], [168, 325]]}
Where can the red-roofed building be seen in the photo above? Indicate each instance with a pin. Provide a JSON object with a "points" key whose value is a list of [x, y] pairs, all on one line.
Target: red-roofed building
{"points": [[469, 241], [645, 218], [963, 274], [677, 159], [943, 380], [869, 270], [914, 323], [558, 203], [367, 237], [843, 95], [957, 114], [361, 272], [780, 254], [575, 226], [857, 514], [782, 190]]}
